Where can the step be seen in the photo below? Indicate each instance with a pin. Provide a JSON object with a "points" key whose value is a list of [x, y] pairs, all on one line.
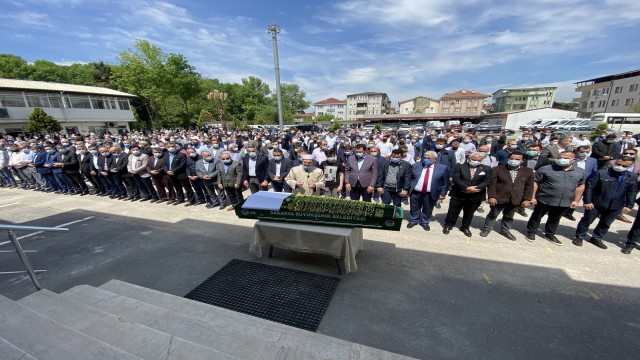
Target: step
{"points": [[223, 337], [10, 352], [136, 339], [45, 338], [320, 344]]}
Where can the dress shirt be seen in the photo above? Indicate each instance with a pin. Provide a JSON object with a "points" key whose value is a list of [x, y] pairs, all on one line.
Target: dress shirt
{"points": [[278, 168], [418, 187], [252, 167]]}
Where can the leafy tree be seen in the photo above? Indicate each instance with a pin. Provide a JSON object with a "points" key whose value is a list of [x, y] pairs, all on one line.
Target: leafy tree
{"points": [[564, 106], [102, 74], [603, 127], [41, 122], [378, 127], [325, 118], [292, 98], [183, 79], [48, 71], [335, 126], [13, 67], [80, 74], [205, 117]]}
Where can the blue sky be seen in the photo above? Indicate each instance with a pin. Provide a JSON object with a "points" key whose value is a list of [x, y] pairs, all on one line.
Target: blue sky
{"points": [[405, 48]]}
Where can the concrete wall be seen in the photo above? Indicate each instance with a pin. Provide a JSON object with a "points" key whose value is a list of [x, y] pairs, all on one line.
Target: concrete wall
{"points": [[515, 120]]}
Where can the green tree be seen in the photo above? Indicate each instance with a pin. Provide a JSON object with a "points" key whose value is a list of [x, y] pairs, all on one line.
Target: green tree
{"points": [[79, 74], [564, 106], [13, 67], [205, 117], [44, 70], [325, 118], [293, 99], [603, 127], [183, 80], [41, 122], [102, 74], [378, 127]]}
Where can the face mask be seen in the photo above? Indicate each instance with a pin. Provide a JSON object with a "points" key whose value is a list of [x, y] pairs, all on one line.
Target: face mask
{"points": [[172, 150], [227, 161], [277, 158], [63, 151], [193, 155], [348, 153], [488, 140], [127, 146], [306, 167], [26, 151], [525, 139], [209, 159], [395, 160], [474, 163], [158, 155], [563, 162], [195, 144], [583, 155], [514, 163], [439, 147], [216, 146], [466, 141], [554, 143], [331, 159], [532, 153], [619, 168], [135, 152], [426, 161], [513, 147], [252, 154], [608, 141], [359, 155], [373, 153], [94, 152], [65, 144]]}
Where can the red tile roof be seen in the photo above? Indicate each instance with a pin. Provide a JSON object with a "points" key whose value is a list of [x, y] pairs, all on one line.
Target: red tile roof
{"points": [[330, 101], [465, 94]]}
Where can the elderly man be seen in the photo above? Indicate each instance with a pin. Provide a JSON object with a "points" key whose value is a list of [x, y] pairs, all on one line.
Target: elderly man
{"points": [[320, 153], [176, 167], [470, 181], [230, 179], [155, 167], [429, 182], [503, 155], [306, 178], [137, 167], [557, 188], [361, 174], [255, 170], [394, 179], [278, 169], [608, 193], [207, 171]]}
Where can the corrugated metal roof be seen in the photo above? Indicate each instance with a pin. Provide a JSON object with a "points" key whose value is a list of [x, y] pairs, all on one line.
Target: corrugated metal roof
{"points": [[50, 86]]}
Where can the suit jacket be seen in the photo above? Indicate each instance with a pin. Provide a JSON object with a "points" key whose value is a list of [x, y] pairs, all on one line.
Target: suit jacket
{"points": [[403, 177], [178, 165], [542, 161], [440, 183], [553, 152], [212, 171], [601, 186], [590, 166], [314, 177], [285, 167], [39, 159], [506, 191], [232, 177], [262, 163], [70, 163], [447, 158], [138, 164], [159, 165], [367, 174], [461, 179], [84, 162], [119, 163], [53, 158]]}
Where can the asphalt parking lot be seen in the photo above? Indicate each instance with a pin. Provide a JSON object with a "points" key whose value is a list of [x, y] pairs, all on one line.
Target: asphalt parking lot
{"points": [[417, 293]]}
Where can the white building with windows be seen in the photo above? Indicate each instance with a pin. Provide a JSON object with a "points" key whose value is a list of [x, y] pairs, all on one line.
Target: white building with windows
{"points": [[616, 93], [367, 103], [78, 108], [524, 98], [332, 106]]}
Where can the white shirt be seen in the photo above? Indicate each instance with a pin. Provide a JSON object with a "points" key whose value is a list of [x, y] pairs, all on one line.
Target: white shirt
{"points": [[385, 148], [578, 142], [582, 164], [420, 183], [490, 161], [252, 167], [278, 168]]}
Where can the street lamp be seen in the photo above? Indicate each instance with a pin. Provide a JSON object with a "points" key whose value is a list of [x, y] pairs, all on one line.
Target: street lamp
{"points": [[219, 96], [274, 29]]}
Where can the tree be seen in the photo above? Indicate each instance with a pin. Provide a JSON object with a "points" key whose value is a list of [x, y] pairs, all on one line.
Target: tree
{"points": [[41, 122], [564, 106], [325, 118], [48, 71], [13, 67], [603, 127], [292, 100], [205, 117], [635, 108]]}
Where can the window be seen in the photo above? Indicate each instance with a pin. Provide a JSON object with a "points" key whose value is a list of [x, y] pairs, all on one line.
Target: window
{"points": [[55, 102], [628, 101], [123, 104], [99, 104], [457, 109], [12, 100], [468, 108], [445, 110], [633, 87], [615, 102], [618, 89], [37, 101], [605, 91], [592, 104], [602, 103], [80, 102], [475, 109]]}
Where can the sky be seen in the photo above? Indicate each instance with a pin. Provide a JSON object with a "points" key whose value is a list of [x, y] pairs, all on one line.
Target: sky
{"points": [[405, 48]]}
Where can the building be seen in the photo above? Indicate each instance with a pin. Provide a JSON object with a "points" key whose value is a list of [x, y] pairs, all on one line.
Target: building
{"points": [[463, 102], [332, 106], [78, 108], [616, 93], [367, 103], [301, 118], [524, 98], [514, 119], [419, 105]]}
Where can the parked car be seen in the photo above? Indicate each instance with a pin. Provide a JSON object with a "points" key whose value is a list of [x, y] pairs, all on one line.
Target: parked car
{"points": [[404, 127], [418, 127]]}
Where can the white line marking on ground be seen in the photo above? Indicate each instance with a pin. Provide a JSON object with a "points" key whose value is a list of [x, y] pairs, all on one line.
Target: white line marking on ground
{"points": [[57, 226], [5, 205]]}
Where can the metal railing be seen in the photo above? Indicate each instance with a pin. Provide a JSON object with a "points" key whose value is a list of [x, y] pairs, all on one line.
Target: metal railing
{"points": [[21, 253]]}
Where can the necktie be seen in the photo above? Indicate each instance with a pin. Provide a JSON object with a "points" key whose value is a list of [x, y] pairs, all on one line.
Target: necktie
{"points": [[425, 183], [473, 172]]}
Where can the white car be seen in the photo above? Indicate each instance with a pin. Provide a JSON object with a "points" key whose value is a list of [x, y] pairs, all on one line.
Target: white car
{"points": [[404, 127]]}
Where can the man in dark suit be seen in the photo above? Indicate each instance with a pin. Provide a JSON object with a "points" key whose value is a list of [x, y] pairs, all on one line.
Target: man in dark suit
{"points": [[533, 159], [254, 170], [176, 167], [53, 157], [230, 179], [278, 169], [42, 168], [608, 193], [100, 165], [71, 169], [84, 156], [160, 179], [119, 172], [201, 194], [394, 179], [633, 237], [207, 171], [470, 181], [511, 188], [429, 183], [588, 164], [361, 174], [445, 157], [606, 150]]}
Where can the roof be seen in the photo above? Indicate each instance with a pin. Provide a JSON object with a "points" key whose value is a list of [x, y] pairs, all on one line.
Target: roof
{"points": [[30, 85], [464, 94], [303, 115], [368, 93], [330, 101], [623, 75], [526, 110], [524, 89], [418, 97]]}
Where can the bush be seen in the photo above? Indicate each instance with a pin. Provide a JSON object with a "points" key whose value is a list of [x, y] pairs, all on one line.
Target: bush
{"points": [[598, 131], [41, 122]]}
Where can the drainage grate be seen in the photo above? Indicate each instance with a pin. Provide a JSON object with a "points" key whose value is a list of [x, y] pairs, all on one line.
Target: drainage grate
{"points": [[291, 297]]}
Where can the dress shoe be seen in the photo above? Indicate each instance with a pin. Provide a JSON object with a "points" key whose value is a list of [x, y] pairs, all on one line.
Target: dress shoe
{"points": [[426, 227], [570, 217], [160, 201], [200, 203], [410, 225], [209, 206], [145, 199], [624, 219], [178, 202], [171, 202], [577, 241], [530, 237], [508, 235], [480, 209], [521, 211], [112, 196], [598, 243], [446, 230], [484, 233], [154, 201], [222, 207], [627, 248], [190, 204], [466, 232], [553, 239]]}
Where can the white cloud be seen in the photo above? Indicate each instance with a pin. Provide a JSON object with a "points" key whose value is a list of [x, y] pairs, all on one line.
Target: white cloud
{"points": [[31, 18]]}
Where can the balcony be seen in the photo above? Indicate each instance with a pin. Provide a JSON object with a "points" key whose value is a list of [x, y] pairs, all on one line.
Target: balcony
{"points": [[4, 113]]}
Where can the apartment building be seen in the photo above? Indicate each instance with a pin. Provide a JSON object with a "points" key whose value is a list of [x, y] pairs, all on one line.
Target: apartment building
{"points": [[517, 99], [468, 102], [332, 106], [616, 93], [367, 103], [419, 105], [78, 108]]}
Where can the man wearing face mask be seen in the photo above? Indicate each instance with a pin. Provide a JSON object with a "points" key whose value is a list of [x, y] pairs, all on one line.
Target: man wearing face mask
{"points": [[445, 156], [333, 171], [470, 181], [461, 156], [278, 170], [394, 179], [196, 183], [361, 174], [306, 179], [503, 155], [608, 193], [557, 187], [385, 146], [124, 183], [511, 189], [581, 140], [606, 150], [71, 169], [206, 168], [556, 146], [255, 170], [586, 163], [161, 181], [137, 167], [176, 167], [429, 183]]}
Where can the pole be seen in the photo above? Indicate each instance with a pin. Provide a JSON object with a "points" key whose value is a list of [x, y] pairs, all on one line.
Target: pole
{"points": [[24, 259], [274, 30]]}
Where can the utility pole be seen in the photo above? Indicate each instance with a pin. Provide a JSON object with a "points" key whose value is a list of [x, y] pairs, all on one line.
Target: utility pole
{"points": [[274, 29]]}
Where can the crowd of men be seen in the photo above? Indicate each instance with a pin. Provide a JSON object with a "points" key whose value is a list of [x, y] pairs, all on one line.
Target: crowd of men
{"points": [[553, 174]]}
